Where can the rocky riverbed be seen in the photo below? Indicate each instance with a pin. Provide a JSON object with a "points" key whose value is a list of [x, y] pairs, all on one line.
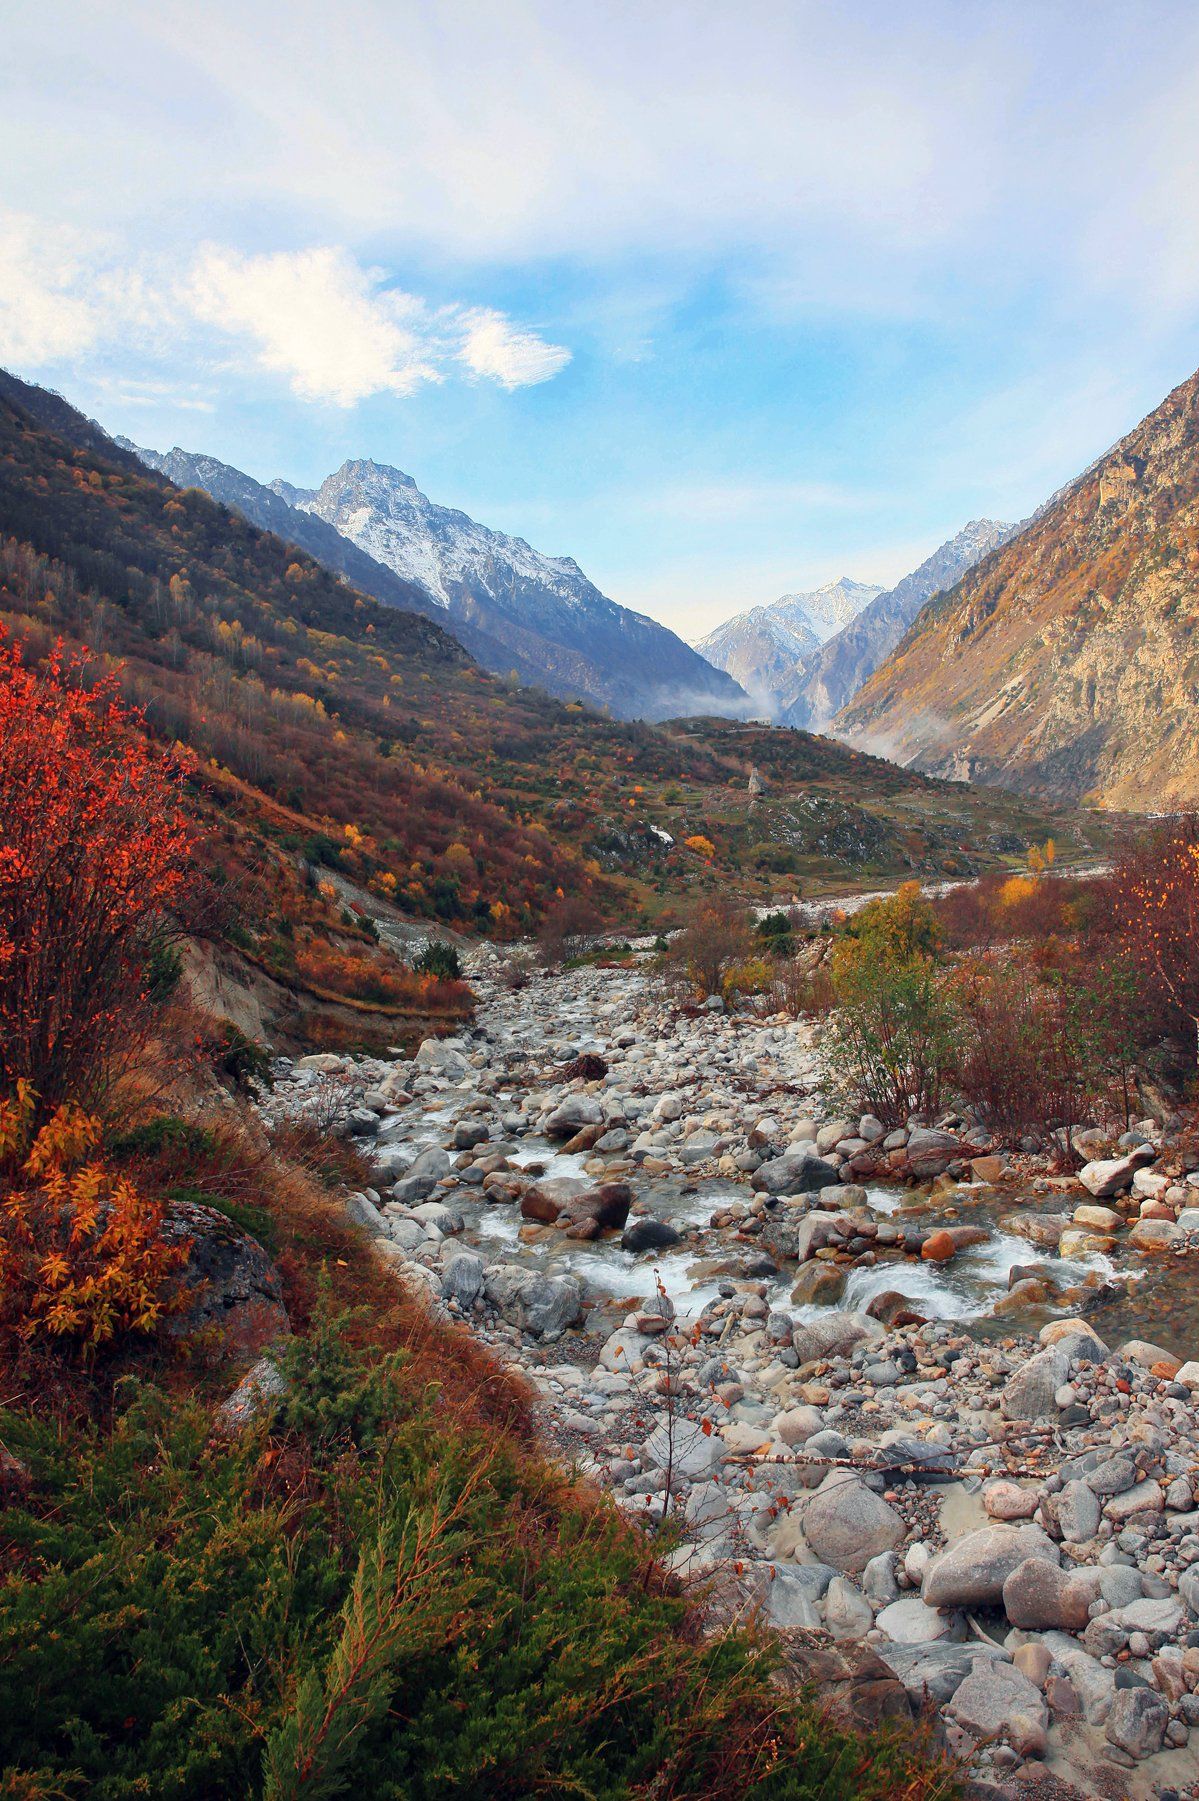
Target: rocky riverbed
{"points": [[925, 1407]]}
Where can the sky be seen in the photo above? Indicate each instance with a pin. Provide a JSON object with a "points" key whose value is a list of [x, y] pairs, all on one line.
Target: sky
{"points": [[722, 301]]}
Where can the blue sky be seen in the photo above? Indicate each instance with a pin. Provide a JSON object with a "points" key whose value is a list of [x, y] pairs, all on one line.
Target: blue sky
{"points": [[722, 301]]}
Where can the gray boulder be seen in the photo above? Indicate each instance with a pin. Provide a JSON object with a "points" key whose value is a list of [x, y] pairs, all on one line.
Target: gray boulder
{"points": [[795, 1172], [681, 1448], [1029, 1393], [846, 1524], [997, 1701], [1136, 1721], [972, 1571], [930, 1153], [543, 1306], [462, 1278]]}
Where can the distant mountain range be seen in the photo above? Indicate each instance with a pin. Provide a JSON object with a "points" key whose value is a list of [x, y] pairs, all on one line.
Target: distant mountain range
{"points": [[514, 608], [762, 648], [830, 675], [1068, 661]]}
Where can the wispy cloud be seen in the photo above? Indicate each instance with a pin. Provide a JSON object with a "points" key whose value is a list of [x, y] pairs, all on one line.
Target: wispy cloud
{"points": [[335, 331]]}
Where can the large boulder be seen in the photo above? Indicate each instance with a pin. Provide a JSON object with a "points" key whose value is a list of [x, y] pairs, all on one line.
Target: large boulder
{"points": [[846, 1524], [797, 1171], [1029, 1393], [909, 1621], [971, 1572], [936, 1670], [230, 1286], [1136, 1721], [572, 1114], [462, 1278], [832, 1334], [930, 1153], [682, 1449], [1039, 1597], [648, 1234], [443, 1057], [1113, 1175], [543, 1306], [998, 1701]]}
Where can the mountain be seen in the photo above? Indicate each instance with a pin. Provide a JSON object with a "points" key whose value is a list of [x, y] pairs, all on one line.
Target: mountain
{"points": [[1068, 661], [762, 648], [263, 507], [826, 610], [833, 672], [537, 615]]}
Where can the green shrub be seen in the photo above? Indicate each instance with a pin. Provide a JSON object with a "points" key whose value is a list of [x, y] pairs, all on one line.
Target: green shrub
{"points": [[440, 960], [367, 1597]]}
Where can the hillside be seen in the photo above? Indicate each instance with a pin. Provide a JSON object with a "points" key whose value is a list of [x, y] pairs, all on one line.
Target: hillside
{"points": [[1066, 663], [832, 673], [361, 742]]}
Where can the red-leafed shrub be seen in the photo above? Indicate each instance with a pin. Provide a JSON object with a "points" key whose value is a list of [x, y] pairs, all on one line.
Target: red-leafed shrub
{"points": [[94, 854]]}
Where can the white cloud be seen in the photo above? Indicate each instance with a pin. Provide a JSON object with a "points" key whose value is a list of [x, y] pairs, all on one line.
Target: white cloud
{"points": [[44, 313], [330, 327], [494, 347]]}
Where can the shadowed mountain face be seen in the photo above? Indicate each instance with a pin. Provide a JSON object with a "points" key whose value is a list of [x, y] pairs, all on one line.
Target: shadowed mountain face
{"points": [[765, 646], [1068, 662], [515, 610], [833, 672], [552, 625]]}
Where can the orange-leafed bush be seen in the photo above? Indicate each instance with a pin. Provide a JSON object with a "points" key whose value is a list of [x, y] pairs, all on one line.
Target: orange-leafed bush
{"points": [[94, 854], [375, 983], [83, 1262]]}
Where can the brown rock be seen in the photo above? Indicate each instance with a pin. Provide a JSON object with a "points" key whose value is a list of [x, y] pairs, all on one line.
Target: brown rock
{"points": [[938, 1247]]}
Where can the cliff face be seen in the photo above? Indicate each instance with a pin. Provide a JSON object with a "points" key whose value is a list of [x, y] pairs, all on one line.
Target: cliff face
{"points": [[1067, 662]]}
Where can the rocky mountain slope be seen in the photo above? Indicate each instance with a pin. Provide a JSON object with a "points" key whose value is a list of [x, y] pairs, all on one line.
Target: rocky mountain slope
{"points": [[763, 647], [833, 672], [551, 624], [1067, 662]]}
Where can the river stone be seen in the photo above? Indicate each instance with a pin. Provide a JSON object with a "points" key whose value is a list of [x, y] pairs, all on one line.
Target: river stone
{"points": [[1136, 1721], [543, 1306], [910, 1622], [575, 1112], [1113, 1175], [832, 1334], [1155, 1235], [846, 1524], [847, 1613], [972, 1571], [795, 1172], [817, 1282], [797, 1424], [997, 1701], [930, 1153], [1073, 1512], [1038, 1596], [645, 1234], [462, 1278], [681, 1448], [1029, 1393], [936, 1670]]}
